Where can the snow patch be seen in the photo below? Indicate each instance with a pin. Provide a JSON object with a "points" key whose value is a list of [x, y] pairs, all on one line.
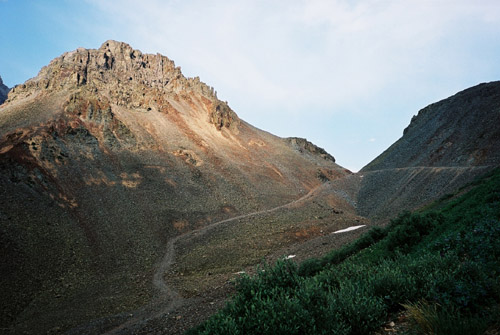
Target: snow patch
{"points": [[348, 229]]}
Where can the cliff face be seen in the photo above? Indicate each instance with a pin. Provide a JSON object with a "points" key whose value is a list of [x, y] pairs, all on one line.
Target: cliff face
{"points": [[4, 90], [303, 145], [107, 155]]}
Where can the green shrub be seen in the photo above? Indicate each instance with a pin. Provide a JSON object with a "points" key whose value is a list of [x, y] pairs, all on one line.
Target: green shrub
{"points": [[283, 275], [393, 285], [312, 266], [360, 310], [409, 229]]}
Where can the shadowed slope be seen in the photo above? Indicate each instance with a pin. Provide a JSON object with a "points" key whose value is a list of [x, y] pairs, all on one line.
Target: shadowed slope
{"points": [[461, 130], [4, 90], [446, 145]]}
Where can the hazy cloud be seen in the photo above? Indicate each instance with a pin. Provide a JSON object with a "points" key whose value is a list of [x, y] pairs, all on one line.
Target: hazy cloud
{"points": [[312, 62], [298, 53]]}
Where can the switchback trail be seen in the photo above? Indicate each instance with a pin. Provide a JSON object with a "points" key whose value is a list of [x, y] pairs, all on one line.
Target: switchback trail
{"points": [[158, 278], [166, 298]]}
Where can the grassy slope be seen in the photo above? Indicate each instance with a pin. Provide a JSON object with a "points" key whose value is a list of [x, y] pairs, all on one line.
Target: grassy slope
{"points": [[442, 263]]}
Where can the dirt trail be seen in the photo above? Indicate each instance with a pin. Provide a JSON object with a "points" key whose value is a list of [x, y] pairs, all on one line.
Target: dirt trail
{"points": [[166, 298], [158, 278]]}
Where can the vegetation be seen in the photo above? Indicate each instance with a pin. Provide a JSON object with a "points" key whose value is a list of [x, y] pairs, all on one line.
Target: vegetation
{"points": [[441, 265]]}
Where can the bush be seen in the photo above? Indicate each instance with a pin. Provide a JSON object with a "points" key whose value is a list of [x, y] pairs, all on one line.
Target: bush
{"points": [[409, 229], [360, 310], [312, 266], [393, 285], [282, 275]]}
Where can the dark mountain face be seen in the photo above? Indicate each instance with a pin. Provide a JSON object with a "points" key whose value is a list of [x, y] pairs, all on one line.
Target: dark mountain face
{"points": [[105, 157], [4, 90], [461, 131], [446, 145]]}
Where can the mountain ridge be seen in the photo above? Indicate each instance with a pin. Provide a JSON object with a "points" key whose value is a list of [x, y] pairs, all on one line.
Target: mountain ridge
{"points": [[456, 131], [446, 145], [127, 77]]}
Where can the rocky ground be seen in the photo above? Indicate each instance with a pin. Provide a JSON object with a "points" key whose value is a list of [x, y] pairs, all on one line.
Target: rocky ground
{"points": [[199, 270]]}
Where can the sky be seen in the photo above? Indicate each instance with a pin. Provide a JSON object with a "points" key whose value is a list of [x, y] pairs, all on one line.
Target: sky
{"points": [[346, 75]]}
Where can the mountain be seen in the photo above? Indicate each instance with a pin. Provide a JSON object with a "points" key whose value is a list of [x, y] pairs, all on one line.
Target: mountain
{"points": [[4, 90], [352, 289], [109, 155], [446, 145], [455, 132]]}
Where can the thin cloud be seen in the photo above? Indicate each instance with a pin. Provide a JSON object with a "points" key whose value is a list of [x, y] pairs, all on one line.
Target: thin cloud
{"points": [[262, 48], [318, 59]]}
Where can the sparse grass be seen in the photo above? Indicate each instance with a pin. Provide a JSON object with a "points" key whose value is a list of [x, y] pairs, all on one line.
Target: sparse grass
{"points": [[433, 319]]}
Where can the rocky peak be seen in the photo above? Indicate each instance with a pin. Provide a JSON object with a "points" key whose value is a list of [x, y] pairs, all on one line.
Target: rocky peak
{"points": [[127, 77], [4, 90], [301, 144]]}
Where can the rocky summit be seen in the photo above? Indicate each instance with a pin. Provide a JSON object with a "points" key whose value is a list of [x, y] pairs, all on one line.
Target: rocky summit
{"points": [[4, 90], [131, 197]]}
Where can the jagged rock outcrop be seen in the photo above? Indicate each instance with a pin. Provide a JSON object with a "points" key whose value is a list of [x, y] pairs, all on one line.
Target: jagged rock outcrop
{"points": [[4, 90], [128, 78], [301, 144], [221, 115]]}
